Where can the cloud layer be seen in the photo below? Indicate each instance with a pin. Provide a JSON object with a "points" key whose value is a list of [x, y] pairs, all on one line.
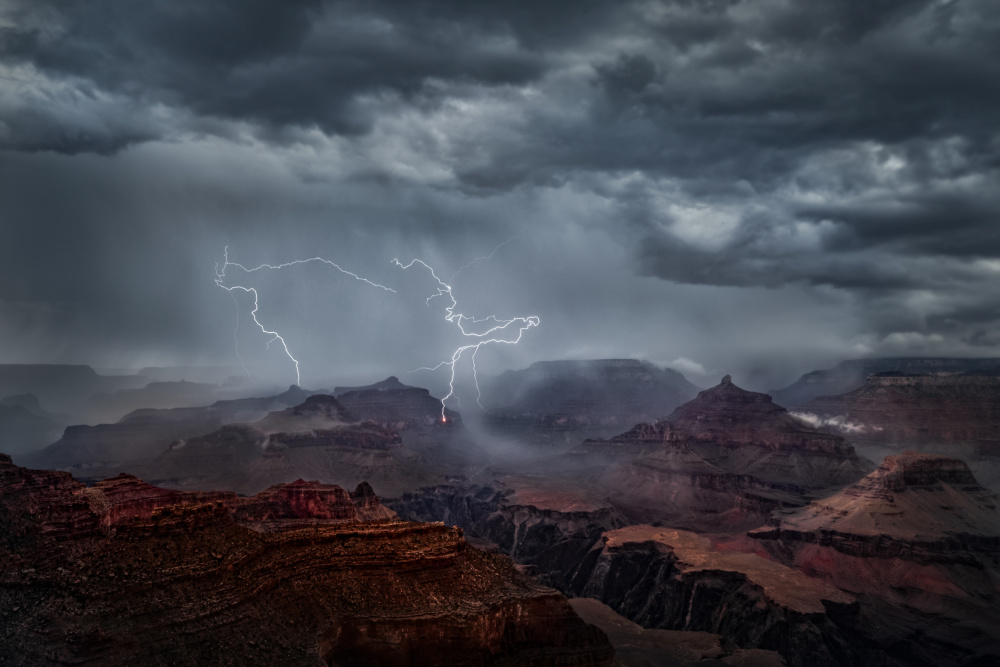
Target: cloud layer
{"points": [[762, 186]]}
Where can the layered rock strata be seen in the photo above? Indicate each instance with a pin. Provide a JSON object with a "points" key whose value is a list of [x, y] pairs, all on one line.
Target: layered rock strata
{"points": [[392, 404], [186, 584], [850, 375], [709, 451], [675, 580], [907, 410], [140, 436], [318, 438], [919, 540]]}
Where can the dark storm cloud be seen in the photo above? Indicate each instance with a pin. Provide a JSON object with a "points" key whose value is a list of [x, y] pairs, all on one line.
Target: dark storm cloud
{"points": [[791, 147], [278, 63]]}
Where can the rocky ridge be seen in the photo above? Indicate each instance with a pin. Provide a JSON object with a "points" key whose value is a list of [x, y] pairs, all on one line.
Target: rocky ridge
{"points": [[392, 404], [960, 411], [918, 540], [850, 375], [108, 575], [140, 436], [726, 447]]}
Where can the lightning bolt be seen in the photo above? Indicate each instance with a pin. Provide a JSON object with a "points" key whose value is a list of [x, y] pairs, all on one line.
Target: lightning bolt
{"points": [[522, 324], [220, 277]]}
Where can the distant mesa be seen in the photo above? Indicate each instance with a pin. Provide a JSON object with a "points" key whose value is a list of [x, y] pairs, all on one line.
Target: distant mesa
{"points": [[959, 411], [109, 407], [321, 438], [563, 402], [913, 506], [390, 383], [392, 404], [850, 375], [140, 436], [61, 387]]}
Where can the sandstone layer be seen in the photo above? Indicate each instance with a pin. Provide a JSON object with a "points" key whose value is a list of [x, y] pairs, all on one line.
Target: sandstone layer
{"points": [[919, 540], [108, 575]]}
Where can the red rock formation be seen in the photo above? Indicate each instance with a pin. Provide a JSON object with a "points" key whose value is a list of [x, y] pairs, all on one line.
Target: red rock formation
{"points": [[920, 410], [186, 584], [302, 502], [711, 449], [920, 539], [676, 580]]}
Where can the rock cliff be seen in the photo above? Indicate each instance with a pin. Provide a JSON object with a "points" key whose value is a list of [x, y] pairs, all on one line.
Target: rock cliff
{"points": [[919, 539], [675, 580], [106, 575], [907, 410], [709, 451], [850, 375]]}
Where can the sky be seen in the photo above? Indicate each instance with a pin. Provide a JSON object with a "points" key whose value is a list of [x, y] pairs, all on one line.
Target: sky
{"points": [[752, 187]]}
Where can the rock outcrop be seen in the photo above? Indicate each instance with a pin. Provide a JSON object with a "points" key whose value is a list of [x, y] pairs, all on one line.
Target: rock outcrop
{"points": [[709, 451], [546, 530], [919, 538], [636, 646], [675, 580], [919, 410], [850, 375], [105, 575]]}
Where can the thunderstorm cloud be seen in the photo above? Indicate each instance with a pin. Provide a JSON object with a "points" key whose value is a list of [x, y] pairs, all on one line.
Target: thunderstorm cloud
{"points": [[758, 186]]}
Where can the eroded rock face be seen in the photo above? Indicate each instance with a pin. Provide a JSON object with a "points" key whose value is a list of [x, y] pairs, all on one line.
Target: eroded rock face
{"points": [[919, 507], [187, 584], [548, 533], [919, 540], [908, 410], [711, 450], [248, 458], [636, 646], [675, 580]]}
